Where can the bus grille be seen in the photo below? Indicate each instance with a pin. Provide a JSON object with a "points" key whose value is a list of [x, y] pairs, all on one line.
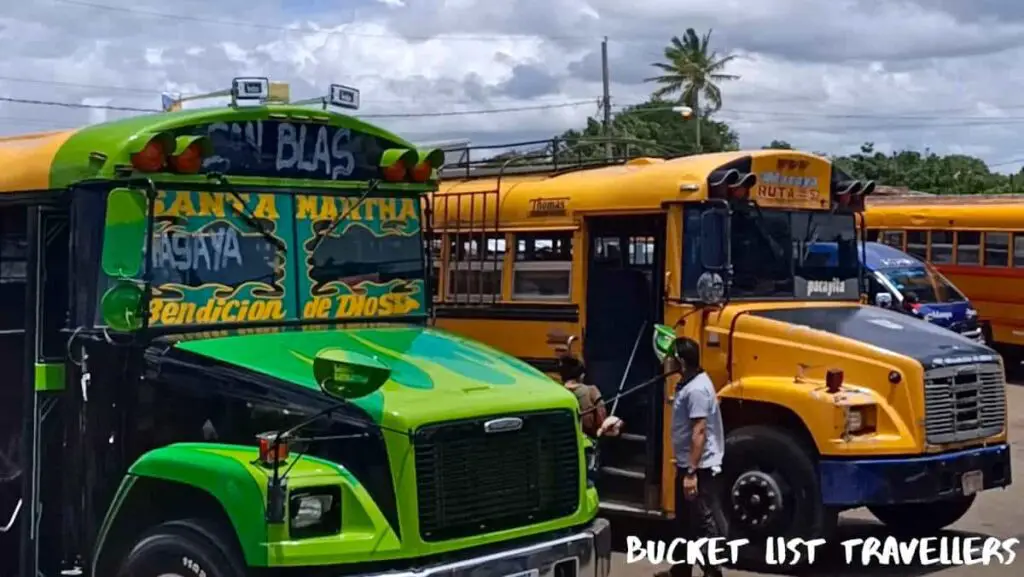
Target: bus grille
{"points": [[964, 402], [470, 481]]}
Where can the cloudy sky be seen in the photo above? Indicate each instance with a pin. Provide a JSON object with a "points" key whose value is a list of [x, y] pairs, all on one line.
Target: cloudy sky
{"points": [[825, 75]]}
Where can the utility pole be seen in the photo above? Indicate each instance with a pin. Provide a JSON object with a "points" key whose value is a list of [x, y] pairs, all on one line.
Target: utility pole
{"points": [[606, 101]]}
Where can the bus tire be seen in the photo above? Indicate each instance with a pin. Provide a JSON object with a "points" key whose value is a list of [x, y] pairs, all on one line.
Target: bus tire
{"points": [[771, 488], [912, 519], [185, 548]]}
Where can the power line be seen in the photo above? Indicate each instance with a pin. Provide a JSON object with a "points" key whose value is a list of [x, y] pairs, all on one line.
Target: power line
{"points": [[962, 122], [934, 115], [503, 110], [75, 105], [79, 85], [484, 111]]}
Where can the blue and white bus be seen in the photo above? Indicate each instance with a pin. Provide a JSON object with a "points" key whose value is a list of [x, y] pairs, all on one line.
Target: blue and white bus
{"points": [[903, 282]]}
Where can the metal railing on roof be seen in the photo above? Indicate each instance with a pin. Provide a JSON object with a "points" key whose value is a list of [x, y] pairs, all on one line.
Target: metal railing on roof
{"points": [[554, 155]]}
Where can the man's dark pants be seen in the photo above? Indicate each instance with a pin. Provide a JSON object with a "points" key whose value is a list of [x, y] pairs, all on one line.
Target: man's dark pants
{"points": [[701, 517]]}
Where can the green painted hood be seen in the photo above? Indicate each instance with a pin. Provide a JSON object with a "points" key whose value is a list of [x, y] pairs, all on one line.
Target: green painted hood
{"points": [[436, 375]]}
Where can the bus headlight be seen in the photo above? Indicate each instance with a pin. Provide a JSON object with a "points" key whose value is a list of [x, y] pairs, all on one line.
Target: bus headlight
{"points": [[854, 420], [860, 420], [314, 512]]}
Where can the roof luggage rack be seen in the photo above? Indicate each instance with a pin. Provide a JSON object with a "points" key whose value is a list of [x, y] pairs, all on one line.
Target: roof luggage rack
{"points": [[555, 155]]}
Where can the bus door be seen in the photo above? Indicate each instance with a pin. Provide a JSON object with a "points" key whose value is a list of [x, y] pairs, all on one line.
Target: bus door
{"points": [[625, 274]]}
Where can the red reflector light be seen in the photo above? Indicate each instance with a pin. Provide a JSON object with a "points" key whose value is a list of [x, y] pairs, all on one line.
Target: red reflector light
{"points": [[395, 172], [268, 456], [833, 380], [151, 158], [190, 161], [421, 172]]}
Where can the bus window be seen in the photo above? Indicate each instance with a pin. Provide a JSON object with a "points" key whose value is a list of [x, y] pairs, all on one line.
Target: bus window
{"points": [[434, 246], [997, 249], [825, 249], [893, 238], [641, 250], [922, 283], [543, 267], [13, 269], [968, 247], [1018, 249], [942, 247], [607, 251], [475, 264], [917, 244], [54, 296], [762, 254]]}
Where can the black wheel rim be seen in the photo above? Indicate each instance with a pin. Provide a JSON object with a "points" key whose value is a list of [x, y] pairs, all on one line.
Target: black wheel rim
{"points": [[760, 501]]}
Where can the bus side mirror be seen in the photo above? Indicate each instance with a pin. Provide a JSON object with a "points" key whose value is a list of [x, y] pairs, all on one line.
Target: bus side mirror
{"points": [[714, 239], [124, 243], [124, 233], [883, 300], [348, 375]]}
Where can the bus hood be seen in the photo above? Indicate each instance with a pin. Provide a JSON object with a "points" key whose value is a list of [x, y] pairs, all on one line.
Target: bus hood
{"points": [[926, 343], [436, 376]]}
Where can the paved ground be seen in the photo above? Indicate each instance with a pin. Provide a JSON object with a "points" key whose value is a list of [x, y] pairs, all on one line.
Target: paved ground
{"points": [[995, 513]]}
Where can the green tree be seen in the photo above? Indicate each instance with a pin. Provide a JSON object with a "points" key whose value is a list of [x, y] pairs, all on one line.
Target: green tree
{"points": [[778, 145], [928, 172], [692, 70]]}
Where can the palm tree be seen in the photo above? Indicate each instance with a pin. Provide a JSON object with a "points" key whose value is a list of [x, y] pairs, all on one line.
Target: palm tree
{"points": [[692, 70]]}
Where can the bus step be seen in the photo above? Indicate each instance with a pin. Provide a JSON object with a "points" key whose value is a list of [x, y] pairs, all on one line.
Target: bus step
{"points": [[629, 508], [633, 437], [619, 472]]}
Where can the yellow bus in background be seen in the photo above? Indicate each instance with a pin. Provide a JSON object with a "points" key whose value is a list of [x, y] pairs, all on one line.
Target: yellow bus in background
{"points": [[977, 242], [829, 404]]}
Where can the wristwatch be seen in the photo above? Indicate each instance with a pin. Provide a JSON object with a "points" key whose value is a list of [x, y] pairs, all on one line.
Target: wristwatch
{"points": [[690, 471]]}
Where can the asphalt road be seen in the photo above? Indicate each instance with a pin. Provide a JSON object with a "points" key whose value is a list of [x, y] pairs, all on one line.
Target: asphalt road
{"points": [[998, 513]]}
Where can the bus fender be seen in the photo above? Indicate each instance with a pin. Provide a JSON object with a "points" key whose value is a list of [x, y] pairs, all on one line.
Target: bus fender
{"points": [[823, 414], [220, 471]]}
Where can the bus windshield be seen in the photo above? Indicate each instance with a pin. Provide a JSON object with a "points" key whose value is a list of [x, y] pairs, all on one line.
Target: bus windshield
{"points": [[920, 283], [796, 254], [212, 264], [780, 253]]}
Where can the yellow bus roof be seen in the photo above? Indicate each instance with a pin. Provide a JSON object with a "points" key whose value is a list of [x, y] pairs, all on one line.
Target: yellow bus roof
{"points": [[975, 212], [27, 160], [639, 185]]}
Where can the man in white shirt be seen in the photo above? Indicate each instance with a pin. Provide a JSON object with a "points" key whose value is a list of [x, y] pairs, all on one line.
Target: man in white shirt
{"points": [[698, 441]]}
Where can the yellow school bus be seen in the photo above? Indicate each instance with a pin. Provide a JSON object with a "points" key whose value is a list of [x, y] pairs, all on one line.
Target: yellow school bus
{"points": [[829, 404], [977, 242]]}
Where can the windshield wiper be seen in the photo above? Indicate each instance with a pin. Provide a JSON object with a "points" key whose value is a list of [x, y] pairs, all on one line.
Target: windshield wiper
{"points": [[810, 238], [337, 220], [249, 219]]}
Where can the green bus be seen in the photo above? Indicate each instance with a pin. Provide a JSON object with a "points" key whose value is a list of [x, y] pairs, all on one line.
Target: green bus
{"points": [[221, 362]]}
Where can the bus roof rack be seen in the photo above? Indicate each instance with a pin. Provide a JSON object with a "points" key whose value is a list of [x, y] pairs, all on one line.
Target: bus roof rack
{"points": [[555, 155], [262, 90]]}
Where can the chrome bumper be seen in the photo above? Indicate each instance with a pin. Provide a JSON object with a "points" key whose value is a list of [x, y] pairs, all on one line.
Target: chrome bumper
{"points": [[587, 553]]}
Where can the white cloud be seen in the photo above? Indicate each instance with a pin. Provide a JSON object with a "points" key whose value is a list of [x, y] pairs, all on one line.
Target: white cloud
{"points": [[823, 75]]}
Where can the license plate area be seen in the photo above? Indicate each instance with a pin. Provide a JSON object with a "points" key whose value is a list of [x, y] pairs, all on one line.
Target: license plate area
{"points": [[972, 482]]}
